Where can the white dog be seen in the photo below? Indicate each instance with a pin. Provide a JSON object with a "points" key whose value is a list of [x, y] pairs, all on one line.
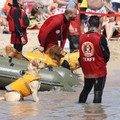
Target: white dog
{"points": [[28, 84]]}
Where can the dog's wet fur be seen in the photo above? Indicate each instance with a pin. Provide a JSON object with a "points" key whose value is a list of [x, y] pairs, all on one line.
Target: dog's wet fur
{"points": [[11, 52], [56, 53]]}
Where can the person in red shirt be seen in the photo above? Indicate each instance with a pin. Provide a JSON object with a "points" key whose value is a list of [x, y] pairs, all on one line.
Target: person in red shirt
{"points": [[56, 28], [18, 23], [94, 55]]}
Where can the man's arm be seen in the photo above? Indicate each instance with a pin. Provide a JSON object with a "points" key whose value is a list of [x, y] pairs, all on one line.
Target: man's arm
{"points": [[105, 48], [61, 2], [16, 16], [108, 7]]}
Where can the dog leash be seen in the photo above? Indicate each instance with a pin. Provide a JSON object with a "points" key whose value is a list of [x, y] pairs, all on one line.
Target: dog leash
{"points": [[34, 49], [43, 57], [43, 54], [61, 37], [68, 48], [68, 51]]}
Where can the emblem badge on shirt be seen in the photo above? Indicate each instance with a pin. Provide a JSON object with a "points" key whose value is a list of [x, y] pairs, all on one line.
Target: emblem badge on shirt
{"points": [[57, 31], [88, 49]]}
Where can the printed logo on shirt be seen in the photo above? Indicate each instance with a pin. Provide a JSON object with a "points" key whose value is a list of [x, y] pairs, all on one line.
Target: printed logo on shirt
{"points": [[57, 31], [88, 49]]}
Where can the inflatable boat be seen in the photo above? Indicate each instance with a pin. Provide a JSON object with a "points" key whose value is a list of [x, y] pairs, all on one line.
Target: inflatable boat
{"points": [[51, 77]]}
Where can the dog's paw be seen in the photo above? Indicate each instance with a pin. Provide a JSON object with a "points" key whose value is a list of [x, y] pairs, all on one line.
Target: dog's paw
{"points": [[36, 99]]}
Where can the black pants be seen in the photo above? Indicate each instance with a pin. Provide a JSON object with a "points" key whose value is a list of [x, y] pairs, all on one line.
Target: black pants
{"points": [[98, 84], [18, 47]]}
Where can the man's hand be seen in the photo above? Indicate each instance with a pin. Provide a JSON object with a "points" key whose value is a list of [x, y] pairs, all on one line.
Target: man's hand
{"points": [[23, 41], [41, 49]]}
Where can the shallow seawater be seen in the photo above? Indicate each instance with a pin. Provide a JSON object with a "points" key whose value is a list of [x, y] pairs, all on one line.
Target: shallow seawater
{"points": [[59, 105]]}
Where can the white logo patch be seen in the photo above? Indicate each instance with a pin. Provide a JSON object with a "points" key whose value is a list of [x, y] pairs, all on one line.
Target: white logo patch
{"points": [[57, 31]]}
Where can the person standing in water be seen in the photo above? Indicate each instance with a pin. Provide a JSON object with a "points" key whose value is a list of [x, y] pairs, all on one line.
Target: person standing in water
{"points": [[94, 55]]}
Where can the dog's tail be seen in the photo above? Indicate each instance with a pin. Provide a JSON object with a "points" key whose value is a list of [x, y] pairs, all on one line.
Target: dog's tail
{"points": [[10, 51]]}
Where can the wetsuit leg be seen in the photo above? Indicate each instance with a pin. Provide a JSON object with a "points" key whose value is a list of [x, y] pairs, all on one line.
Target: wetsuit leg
{"points": [[98, 89], [88, 84], [18, 47]]}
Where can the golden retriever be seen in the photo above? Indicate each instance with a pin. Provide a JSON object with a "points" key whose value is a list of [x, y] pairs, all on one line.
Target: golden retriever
{"points": [[34, 85], [56, 53], [13, 53]]}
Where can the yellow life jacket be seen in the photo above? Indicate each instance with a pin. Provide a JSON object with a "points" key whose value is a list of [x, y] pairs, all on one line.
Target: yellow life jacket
{"points": [[51, 62], [73, 59], [21, 85], [47, 60]]}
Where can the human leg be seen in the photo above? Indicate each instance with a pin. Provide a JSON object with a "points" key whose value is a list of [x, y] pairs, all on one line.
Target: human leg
{"points": [[109, 28], [88, 84], [98, 89], [18, 47]]}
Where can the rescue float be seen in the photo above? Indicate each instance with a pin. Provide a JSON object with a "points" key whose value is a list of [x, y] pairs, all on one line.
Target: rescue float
{"points": [[51, 77]]}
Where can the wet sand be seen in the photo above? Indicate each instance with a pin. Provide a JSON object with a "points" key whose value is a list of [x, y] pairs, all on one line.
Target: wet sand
{"points": [[59, 105]]}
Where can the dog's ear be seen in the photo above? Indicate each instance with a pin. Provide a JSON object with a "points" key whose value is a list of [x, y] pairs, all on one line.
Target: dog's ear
{"points": [[41, 65], [54, 49], [59, 55], [34, 62]]}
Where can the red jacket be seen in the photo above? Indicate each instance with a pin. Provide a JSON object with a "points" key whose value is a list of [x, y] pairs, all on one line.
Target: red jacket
{"points": [[23, 19], [52, 29], [18, 22], [91, 56]]}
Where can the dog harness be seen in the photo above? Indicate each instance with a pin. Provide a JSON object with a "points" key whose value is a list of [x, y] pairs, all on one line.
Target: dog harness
{"points": [[50, 61], [74, 63], [46, 59], [22, 85]]}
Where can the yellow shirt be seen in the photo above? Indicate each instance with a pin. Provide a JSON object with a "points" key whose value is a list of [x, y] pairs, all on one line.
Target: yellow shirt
{"points": [[84, 4]]}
